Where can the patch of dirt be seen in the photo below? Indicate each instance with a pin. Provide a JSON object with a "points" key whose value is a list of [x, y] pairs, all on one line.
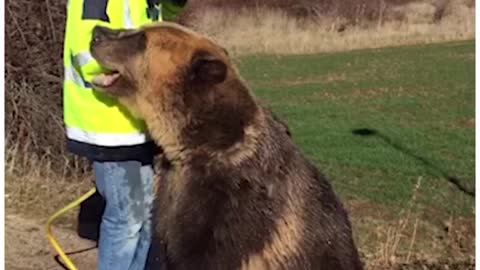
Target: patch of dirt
{"points": [[373, 93], [386, 92], [437, 266], [300, 81], [437, 248], [27, 247], [465, 56], [465, 123], [327, 78], [361, 208]]}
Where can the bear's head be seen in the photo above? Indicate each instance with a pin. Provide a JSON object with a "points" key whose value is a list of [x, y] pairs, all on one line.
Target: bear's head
{"points": [[183, 84]]}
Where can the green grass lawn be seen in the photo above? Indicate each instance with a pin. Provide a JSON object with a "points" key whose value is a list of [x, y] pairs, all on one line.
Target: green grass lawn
{"points": [[420, 101]]}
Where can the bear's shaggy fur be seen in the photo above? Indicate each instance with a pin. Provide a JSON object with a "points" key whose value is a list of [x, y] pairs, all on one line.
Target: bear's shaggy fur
{"points": [[235, 193]]}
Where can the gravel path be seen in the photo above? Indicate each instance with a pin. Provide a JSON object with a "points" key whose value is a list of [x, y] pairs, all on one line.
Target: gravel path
{"points": [[27, 247]]}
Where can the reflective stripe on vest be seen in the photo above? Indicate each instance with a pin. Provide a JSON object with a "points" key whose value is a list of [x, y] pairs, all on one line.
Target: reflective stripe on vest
{"points": [[71, 74], [83, 58], [127, 18], [106, 139]]}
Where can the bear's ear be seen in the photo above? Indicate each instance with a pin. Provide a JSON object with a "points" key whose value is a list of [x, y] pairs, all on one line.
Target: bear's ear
{"points": [[207, 69]]}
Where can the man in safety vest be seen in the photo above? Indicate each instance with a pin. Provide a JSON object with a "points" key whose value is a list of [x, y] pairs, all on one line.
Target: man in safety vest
{"points": [[103, 131]]}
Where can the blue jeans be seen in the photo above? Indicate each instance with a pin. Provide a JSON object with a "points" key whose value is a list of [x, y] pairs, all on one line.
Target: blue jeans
{"points": [[125, 231]]}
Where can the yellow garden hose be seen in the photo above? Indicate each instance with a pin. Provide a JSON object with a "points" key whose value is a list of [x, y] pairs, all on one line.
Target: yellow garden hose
{"points": [[58, 214]]}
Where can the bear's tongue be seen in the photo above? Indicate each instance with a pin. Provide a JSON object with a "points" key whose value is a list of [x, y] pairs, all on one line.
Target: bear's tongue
{"points": [[106, 80]]}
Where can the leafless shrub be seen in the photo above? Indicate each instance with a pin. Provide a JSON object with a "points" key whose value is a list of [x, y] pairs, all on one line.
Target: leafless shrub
{"points": [[33, 82], [352, 10], [245, 31], [440, 8]]}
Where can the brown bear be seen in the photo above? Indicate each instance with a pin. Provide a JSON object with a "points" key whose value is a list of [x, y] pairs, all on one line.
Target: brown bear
{"points": [[238, 193]]}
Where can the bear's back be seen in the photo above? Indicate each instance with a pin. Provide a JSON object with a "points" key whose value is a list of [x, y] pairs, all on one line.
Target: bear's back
{"points": [[272, 211]]}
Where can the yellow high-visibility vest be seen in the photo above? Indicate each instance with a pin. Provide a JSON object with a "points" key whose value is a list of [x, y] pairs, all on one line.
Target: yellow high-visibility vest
{"points": [[90, 116]]}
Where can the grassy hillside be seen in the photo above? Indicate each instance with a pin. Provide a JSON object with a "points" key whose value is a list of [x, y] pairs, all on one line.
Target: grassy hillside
{"points": [[393, 129], [420, 100]]}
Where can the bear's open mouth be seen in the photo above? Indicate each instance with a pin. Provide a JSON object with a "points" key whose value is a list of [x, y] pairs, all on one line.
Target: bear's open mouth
{"points": [[107, 80]]}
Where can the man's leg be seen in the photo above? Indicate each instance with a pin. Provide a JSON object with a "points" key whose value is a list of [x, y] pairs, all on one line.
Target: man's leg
{"points": [[145, 240], [125, 227], [90, 217]]}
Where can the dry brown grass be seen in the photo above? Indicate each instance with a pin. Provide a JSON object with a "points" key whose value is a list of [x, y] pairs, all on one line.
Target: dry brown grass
{"points": [[40, 175], [260, 30], [411, 240], [388, 252], [352, 10]]}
